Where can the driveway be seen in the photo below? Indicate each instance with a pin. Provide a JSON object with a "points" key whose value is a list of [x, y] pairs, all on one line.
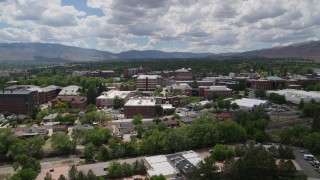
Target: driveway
{"points": [[307, 168]]}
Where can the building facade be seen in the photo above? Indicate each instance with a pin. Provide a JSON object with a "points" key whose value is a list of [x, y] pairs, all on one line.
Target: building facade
{"points": [[148, 82], [18, 101], [183, 74]]}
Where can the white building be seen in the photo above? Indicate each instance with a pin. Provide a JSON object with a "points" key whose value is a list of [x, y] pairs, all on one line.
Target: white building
{"points": [[249, 104], [295, 96], [71, 90], [159, 165], [106, 98]]}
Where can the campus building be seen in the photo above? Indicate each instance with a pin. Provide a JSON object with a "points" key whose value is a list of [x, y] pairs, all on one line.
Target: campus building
{"points": [[181, 88], [75, 102], [149, 82], [106, 99], [18, 101], [183, 74], [209, 91]]}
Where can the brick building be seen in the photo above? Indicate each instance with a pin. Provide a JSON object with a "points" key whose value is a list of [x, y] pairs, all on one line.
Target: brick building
{"points": [[147, 107], [129, 72], [183, 74], [149, 82], [209, 91], [183, 88], [269, 83], [76, 102], [18, 101]]}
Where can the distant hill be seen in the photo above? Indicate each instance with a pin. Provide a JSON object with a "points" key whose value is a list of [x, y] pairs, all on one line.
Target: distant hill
{"points": [[307, 50], [56, 53]]}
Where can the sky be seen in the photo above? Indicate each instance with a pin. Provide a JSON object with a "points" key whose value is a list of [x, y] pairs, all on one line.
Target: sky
{"points": [[216, 26]]}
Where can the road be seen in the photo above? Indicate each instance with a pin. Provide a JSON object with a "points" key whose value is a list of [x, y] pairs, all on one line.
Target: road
{"points": [[306, 167], [289, 123]]}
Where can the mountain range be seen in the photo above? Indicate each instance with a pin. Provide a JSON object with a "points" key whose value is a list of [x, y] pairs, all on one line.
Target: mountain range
{"points": [[56, 53]]}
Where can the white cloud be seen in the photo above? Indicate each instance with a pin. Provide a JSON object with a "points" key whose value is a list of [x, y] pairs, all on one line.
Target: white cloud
{"points": [[206, 25]]}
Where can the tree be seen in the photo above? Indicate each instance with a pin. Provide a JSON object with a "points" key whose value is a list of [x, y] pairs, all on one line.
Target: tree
{"points": [[315, 126], [26, 162], [97, 136], [127, 169], [227, 104], [73, 172], [239, 150], [207, 169], [276, 98], [230, 131], [222, 152], [260, 93], [137, 119], [175, 117], [157, 177], [62, 177], [118, 103], [91, 95], [221, 104], [175, 141], [91, 175], [104, 154], [301, 104], [89, 151], [234, 106], [48, 176], [24, 174], [115, 170], [139, 129], [312, 142], [61, 143]]}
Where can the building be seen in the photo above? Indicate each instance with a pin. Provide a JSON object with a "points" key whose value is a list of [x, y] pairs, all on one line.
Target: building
{"points": [[30, 131], [249, 104], [44, 94], [76, 102], [181, 88], [102, 73], [269, 83], [209, 91], [180, 165], [149, 82], [295, 96], [71, 90], [18, 101], [183, 74], [147, 107], [106, 99], [126, 128], [129, 72]]}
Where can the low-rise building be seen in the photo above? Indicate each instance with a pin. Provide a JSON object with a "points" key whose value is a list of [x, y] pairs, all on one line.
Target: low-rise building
{"points": [[249, 104], [209, 91], [147, 107], [71, 90], [30, 131], [76, 102], [295, 96], [106, 99]]}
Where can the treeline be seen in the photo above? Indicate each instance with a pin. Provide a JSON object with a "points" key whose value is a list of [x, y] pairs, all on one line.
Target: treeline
{"points": [[254, 162]]}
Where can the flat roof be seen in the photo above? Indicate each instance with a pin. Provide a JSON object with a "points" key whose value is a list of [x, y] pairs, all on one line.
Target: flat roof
{"points": [[141, 102], [295, 96], [246, 102], [15, 92], [69, 91], [114, 93], [148, 76], [160, 165], [181, 86], [219, 88]]}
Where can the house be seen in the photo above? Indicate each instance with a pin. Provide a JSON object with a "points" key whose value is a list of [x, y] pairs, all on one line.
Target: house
{"points": [[60, 128], [71, 90], [83, 127], [50, 117], [30, 131], [126, 128]]}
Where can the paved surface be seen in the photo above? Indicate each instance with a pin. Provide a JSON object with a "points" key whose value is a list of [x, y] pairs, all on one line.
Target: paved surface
{"points": [[307, 168]]}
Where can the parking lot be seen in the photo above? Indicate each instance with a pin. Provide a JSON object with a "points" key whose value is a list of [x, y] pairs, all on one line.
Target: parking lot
{"points": [[307, 168]]}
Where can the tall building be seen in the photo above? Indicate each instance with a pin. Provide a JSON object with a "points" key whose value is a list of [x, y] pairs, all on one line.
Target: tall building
{"points": [[149, 82], [18, 101], [183, 74]]}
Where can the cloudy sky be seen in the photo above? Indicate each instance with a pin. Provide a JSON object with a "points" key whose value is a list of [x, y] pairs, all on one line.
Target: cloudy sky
{"points": [[169, 25]]}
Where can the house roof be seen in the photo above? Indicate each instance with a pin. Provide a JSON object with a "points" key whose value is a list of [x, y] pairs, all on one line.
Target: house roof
{"points": [[224, 116]]}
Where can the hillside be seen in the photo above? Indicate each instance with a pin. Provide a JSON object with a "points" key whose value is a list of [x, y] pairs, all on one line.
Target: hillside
{"points": [[307, 50], [56, 53]]}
